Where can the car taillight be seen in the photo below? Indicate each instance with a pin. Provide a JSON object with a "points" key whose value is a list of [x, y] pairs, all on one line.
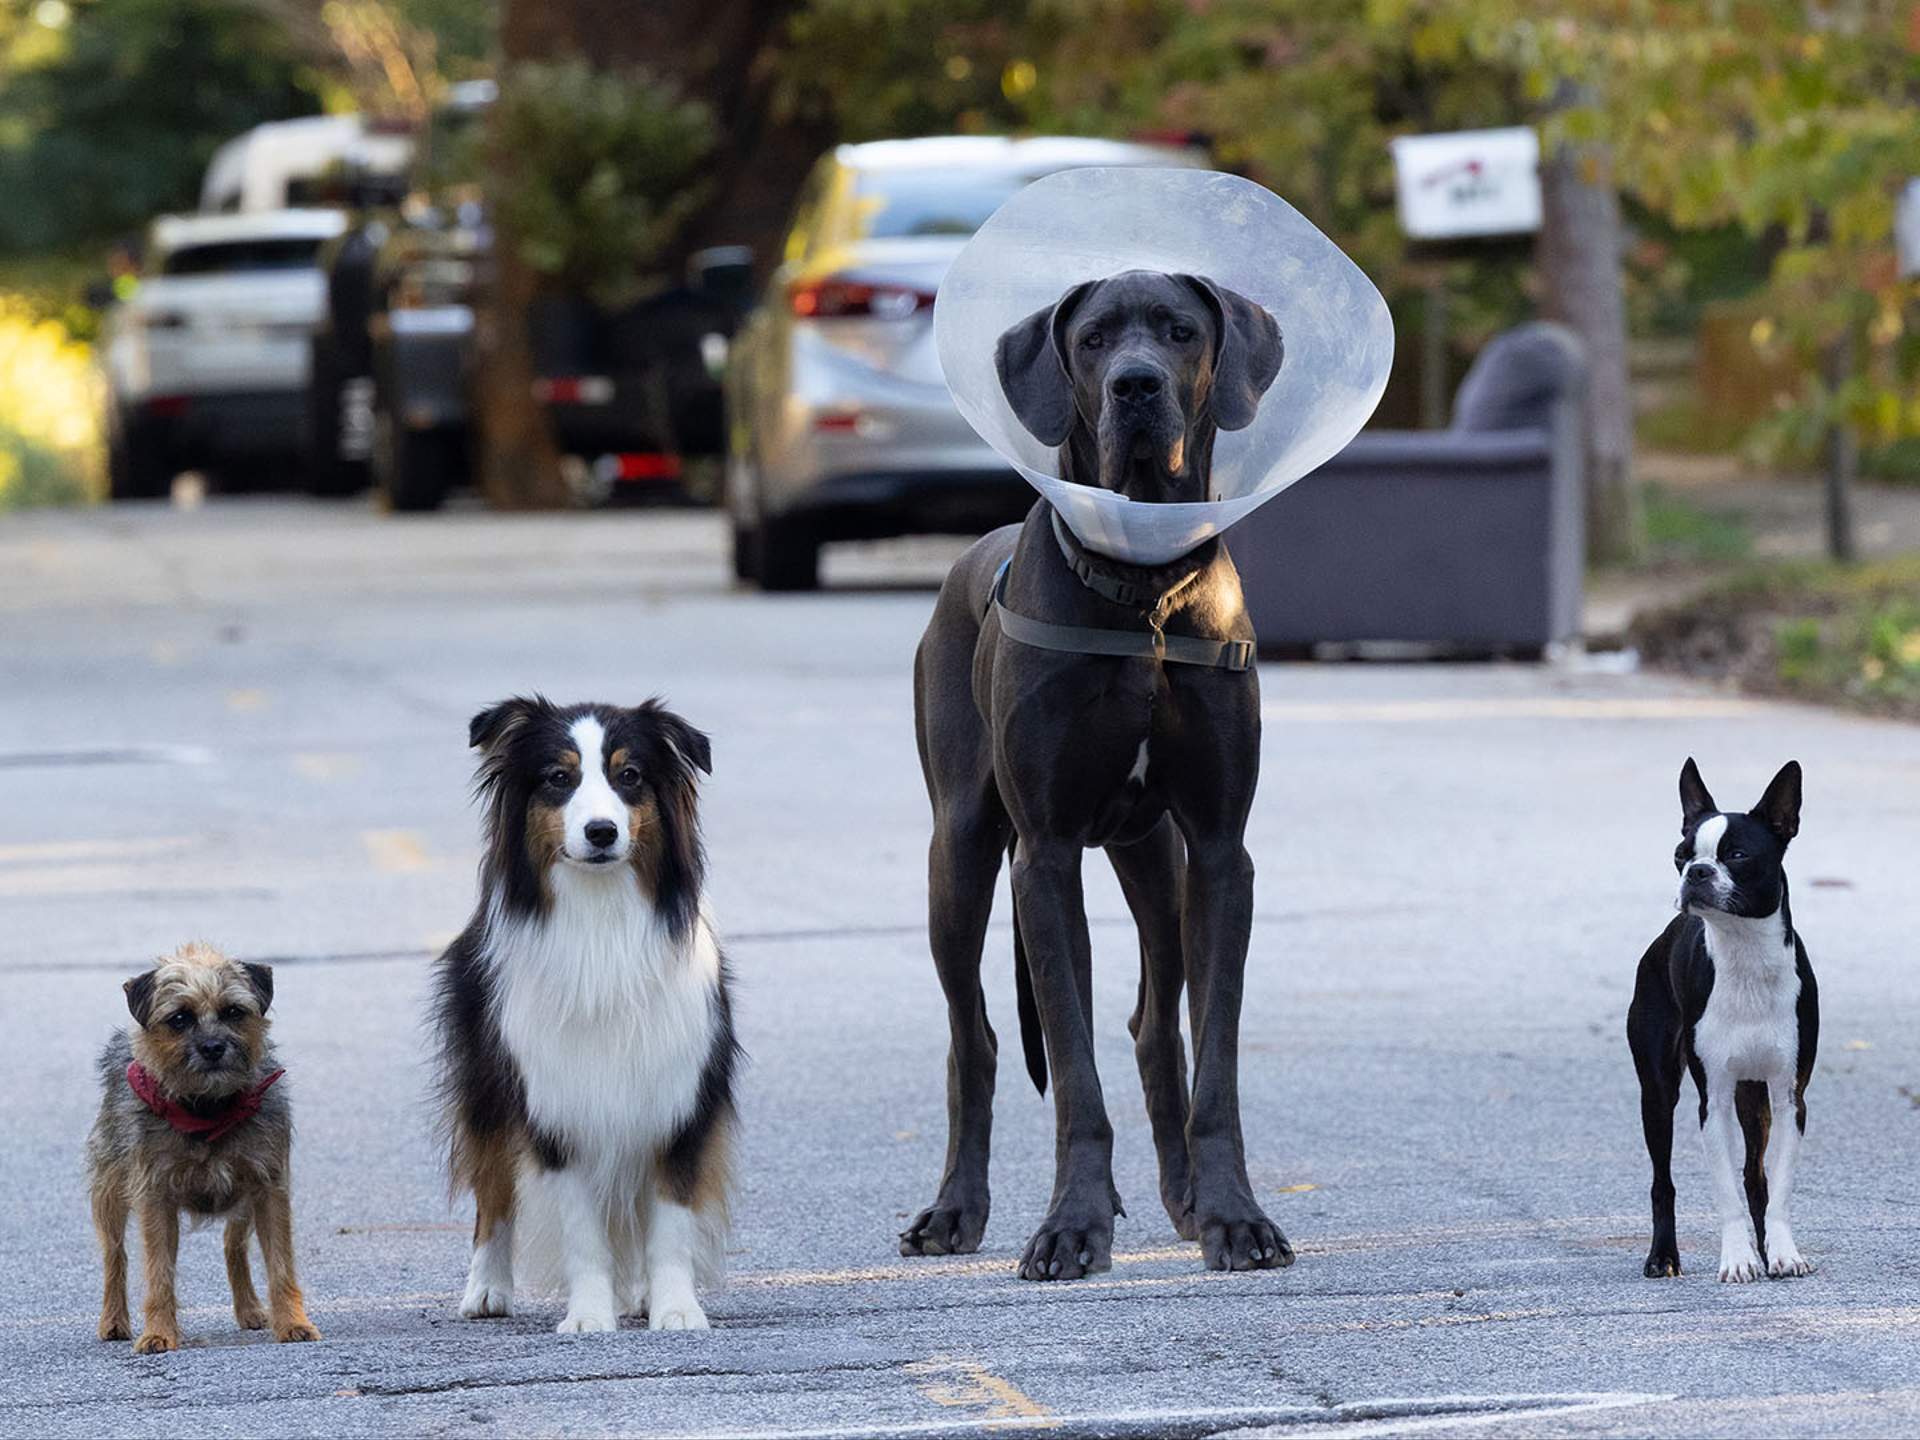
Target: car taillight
{"points": [[835, 298], [167, 407]]}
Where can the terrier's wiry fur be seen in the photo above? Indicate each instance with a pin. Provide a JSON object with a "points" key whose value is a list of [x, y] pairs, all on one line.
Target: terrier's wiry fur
{"points": [[200, 1033]]}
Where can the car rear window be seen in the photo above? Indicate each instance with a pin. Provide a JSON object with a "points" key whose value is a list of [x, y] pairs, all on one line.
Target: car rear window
{"points": [[229, 256], [932, 202]]}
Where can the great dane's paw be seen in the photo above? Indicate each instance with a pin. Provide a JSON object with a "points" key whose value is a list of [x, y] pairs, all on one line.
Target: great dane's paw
{"points": [[1180, 1212], [1250, 1243], [1066, 1248], [1663, 1263], [942, 1229]]}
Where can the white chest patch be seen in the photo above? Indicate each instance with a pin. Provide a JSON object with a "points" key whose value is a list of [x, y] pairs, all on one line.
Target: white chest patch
{"points": [[1138, 775], [1750, 1029], [608, 1019]]}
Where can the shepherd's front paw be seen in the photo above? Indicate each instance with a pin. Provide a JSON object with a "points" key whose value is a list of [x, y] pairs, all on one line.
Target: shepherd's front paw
{"points": [[484, 1301], [586, 1322], [156, 1342]]}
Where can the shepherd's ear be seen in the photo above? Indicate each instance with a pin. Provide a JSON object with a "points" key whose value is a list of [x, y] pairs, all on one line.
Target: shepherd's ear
{"points": [[260, 977], [140, 997], [1779, 808], [1033, 369], [1695, 802], [1248, 356], [498, 723], [692, 745]]}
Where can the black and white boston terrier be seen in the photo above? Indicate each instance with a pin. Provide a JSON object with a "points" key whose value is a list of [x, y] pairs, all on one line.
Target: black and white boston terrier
{"points": [[1727, 993]]}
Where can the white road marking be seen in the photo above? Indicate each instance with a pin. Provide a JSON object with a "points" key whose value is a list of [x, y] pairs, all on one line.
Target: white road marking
{"points": [[1524, 707]]}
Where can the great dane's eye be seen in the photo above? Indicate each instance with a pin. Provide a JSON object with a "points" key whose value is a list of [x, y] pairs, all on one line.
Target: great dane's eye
{"points": [[1182, 334], [629, 777], [1092, 340]]}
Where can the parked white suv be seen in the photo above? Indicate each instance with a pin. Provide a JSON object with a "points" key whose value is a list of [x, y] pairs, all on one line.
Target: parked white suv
{"points": [[207, 362]]}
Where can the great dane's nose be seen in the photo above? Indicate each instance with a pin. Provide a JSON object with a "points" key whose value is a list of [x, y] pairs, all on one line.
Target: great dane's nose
{"points": [[1133, 383], [602, 832], [1701, 872]]}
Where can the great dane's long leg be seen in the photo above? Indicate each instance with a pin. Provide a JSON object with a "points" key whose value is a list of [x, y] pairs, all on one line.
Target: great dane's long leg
{"points": [[1076, 1238], [1235, 1233], [962, 865], [1150, 877]]}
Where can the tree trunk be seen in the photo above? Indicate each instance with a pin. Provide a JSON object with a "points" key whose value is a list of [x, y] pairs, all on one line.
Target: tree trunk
{"points": [[519, 463], [1579, 255]]}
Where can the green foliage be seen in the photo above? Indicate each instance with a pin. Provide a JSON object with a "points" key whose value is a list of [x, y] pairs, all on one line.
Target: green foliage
{"points": [[35, 476], [1680, 531], [114, 118], [599, 169]]}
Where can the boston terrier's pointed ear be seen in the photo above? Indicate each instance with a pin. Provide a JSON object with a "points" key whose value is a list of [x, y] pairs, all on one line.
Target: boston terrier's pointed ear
{"points": [[1695, 802], [1032, 366], [1779, 808]]}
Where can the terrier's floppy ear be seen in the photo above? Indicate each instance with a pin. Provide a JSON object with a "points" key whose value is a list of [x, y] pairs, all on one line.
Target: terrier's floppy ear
{"points": [[1032, 367], [1779, 808], [260, 977], [1248, 356], [1695, 802], [498, 723], [140, 996]]}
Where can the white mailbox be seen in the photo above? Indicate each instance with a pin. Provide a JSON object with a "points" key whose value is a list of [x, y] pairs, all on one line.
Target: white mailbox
{"points": [[1471, 182]]}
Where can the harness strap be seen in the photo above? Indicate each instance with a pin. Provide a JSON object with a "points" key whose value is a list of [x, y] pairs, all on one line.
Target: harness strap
{"points": [[1235, 655]]}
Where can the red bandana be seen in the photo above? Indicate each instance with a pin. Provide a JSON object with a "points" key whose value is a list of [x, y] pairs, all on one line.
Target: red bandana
{"points": [[242, 1108]]}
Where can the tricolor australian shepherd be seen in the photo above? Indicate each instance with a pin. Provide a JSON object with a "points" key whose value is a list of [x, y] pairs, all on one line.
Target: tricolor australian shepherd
{"points": [[586, 1037]]}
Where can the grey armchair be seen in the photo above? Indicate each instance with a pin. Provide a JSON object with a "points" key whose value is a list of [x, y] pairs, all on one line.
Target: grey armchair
{"points": [[1469, 539]]}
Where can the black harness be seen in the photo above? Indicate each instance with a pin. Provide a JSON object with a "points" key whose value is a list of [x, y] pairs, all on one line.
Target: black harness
{"points": [[1151, 644]]}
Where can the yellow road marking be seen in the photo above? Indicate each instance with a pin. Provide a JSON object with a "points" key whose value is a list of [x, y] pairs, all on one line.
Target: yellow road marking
{"points": [[1535, 707], [246, 701], [68, 851], [324, 765], [969, 1385], [398, 852]]}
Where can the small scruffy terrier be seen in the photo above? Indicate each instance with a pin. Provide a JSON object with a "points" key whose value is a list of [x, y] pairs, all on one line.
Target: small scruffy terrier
{"points": [[190, 1119]]}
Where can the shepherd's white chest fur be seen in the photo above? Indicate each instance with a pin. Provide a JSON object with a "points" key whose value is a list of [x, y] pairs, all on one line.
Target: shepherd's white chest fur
{"points": [[608, 1018], [1750, 1029]]}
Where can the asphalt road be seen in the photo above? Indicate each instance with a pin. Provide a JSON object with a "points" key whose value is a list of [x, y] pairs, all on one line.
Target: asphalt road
{"points": [[247, 723]]}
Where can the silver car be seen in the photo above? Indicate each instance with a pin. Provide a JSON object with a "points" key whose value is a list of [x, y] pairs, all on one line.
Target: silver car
{"points": [[839, 423]]}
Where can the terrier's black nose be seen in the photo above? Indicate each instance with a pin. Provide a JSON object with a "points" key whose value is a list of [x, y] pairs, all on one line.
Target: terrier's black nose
{"points": [[1701, 872], [602, 832], [212, 1052], [1135, 382]]}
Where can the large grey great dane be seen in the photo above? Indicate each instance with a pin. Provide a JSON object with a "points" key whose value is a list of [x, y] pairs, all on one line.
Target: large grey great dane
{"points": [[1150, 750]]}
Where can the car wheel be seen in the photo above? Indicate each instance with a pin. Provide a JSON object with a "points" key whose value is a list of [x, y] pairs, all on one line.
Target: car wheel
{"points": [[746, 553], [415, 468], [138, 467], [789, 555]]}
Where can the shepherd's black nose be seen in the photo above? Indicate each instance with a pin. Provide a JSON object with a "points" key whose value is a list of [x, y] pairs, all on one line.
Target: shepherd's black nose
{"points": [[602, 832], [1701, 871], [1135, 382]]}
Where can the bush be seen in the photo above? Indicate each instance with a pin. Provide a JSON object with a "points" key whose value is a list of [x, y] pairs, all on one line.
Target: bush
{"points": [[601, 171], [49, 412]]}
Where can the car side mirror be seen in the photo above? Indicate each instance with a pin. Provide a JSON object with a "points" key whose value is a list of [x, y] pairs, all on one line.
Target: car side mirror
{"points": [[722, 273]]}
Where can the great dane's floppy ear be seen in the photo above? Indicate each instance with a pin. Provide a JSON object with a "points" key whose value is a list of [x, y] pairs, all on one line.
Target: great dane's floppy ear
{"points": [[1248, 356], [1695, 802], [1779, 808], [1033, 369]]}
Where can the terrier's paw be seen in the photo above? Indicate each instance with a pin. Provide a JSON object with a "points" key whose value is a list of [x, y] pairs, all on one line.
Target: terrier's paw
{"points": [[296, 1330], [943, 1229], [250, 1317], [1784, 1258], [156, 1342], [587, 1322], [1739, 1261], [684, 1315], [112, 1328], [485, 1302]]}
